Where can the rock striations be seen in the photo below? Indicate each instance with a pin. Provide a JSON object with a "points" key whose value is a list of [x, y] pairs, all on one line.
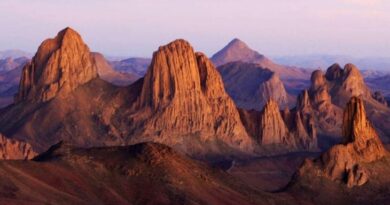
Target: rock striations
{"points": [[183, 99], [290, 129], [59, 66], [15, 150], [345, 162]]}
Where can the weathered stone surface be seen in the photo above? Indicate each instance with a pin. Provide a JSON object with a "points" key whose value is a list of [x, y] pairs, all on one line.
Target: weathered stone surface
{"points": [[59, 66], [273, 129], [343, 162], [183, 95], [11, 149]]}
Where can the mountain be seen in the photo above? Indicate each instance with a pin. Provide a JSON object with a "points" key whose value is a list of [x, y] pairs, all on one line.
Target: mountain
{"points": [[360, 161], [14, 53], [237, 50], [8, 64], [59, 66], [134, 66], [146, 173], [251, 86], [107, 73], [379, 64], [10, 70], [380, 83], [171, 105], [180, 90]]}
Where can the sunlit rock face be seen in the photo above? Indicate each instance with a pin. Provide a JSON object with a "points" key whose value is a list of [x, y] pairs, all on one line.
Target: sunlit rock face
{"points": [[344, 162], [182, 95], [11, 149], [60, 65]]}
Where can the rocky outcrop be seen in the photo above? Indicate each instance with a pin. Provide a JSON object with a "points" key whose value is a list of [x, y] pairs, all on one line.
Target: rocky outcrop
{"points": [[301, 123], [345, 83], [251, 85], [273, 129], [292, 129], [183, 99], [344, 162], [59, 66], [11, 149]]}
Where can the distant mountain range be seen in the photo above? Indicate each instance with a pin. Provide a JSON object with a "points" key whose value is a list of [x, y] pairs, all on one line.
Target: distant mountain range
{"points": [[323, 61]]}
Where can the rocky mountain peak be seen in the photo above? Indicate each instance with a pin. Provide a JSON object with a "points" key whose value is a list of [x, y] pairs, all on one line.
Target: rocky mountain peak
{"points": [[236, 50], [60, 65], [273, 128], [186, 94], [334, 72]]}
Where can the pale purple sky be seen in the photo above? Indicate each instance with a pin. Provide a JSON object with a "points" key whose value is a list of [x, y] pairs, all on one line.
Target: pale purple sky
{"points": [[136, 28]]}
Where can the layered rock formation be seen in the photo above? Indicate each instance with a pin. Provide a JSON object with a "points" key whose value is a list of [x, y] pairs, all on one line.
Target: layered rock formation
{"points": [[273, 128], [345, 162], [251, 85], [11, 149], [59, 66], [183, 99]]}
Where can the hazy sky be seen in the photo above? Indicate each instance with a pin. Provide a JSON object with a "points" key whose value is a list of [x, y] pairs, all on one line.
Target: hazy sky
{"points": [[138, 27]]}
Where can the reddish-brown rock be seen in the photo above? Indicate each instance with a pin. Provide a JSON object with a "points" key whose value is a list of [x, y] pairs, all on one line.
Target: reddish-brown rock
{"points": [[11, 149], [183, 99], [273, 129], [59, 66], [343, 162]]}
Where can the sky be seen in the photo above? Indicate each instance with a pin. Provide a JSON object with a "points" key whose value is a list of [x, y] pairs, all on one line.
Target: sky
{"points": [[359, 28]]}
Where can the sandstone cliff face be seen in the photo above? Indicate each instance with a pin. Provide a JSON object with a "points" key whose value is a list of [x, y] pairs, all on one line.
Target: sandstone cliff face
{"points": [[59, 66], [11, 149], [343, 162], [273, 129], [302, 124], [251, 86], [293, 130], [183, 98]]}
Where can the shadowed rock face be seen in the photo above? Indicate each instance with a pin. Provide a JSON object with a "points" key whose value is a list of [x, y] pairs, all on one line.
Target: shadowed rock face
{"points": [[59, 66], [251, 85], [13, 149], [237, 50], [344, 162]]}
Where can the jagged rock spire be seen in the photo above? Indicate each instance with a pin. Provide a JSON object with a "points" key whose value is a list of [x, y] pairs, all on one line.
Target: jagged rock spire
{"points": [[345, 162]]}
